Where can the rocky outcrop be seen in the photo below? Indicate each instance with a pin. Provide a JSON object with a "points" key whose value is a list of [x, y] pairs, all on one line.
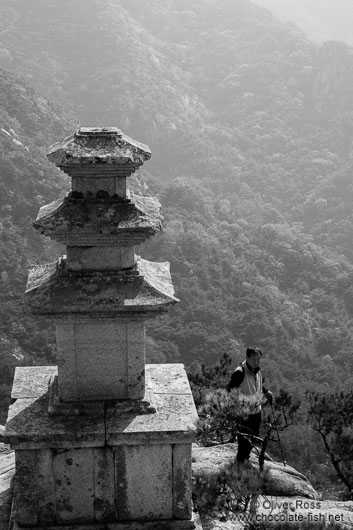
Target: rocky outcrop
{"points": [[282, 480], [334, 77], [298, 510], [290, 498], [285, 480]]}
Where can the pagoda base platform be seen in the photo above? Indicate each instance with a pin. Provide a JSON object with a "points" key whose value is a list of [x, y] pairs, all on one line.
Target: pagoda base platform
{"points": [[111, 467], [193, 524]]}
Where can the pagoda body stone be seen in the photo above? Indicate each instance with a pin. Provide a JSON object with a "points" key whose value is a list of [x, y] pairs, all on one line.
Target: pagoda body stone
{"points": [[100, 293], [102, 440]]}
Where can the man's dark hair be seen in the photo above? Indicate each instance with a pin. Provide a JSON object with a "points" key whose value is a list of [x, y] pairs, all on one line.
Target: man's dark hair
{"points": [[252, 350]]}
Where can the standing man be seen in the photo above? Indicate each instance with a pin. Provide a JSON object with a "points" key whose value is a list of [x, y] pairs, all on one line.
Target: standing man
{"points": [[248, 379]]}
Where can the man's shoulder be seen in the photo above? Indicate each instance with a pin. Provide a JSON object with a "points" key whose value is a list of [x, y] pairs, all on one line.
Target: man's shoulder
{"points": [[236, 378]]}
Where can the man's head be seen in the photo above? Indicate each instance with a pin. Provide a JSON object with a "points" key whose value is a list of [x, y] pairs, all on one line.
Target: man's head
{"points": [[253, 357]]}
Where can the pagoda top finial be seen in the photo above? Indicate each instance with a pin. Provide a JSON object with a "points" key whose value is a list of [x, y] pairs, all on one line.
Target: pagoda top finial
{"points": [[106, 147]]}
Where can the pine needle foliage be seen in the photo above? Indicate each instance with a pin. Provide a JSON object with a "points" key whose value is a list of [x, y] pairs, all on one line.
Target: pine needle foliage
{"points": [[234, 489], [209, 377], [331, 415], [220, 414]]}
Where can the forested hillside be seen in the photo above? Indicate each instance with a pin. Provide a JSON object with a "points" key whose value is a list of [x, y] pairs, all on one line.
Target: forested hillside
{"points": [[320, 19], [28, 123], [251, 130]]}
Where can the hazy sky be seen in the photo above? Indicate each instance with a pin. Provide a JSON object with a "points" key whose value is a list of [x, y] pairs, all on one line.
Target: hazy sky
{"points": [[320, 19]]}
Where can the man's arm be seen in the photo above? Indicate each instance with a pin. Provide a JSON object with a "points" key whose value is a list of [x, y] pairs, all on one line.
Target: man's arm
{"points": [[236, 379], [268, 395]]}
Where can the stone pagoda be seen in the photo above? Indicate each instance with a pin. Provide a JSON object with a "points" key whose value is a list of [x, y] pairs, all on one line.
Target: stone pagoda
{"points": [[102, 441]]}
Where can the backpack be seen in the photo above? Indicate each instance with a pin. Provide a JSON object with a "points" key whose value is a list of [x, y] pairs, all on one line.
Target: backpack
{"points": [[231, 384]]}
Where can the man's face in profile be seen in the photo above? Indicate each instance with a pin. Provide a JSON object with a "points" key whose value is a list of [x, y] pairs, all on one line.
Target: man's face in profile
{"points": [[253, 361]]}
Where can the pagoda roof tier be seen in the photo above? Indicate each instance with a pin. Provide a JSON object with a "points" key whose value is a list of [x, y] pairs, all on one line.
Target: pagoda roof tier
{"points": [[106, 147], [100, 222], [146, 288]]}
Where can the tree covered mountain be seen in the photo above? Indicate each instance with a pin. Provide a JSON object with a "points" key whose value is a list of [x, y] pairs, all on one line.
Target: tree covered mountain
{"points": [[28, 124], [320, 19], [251, 130]]}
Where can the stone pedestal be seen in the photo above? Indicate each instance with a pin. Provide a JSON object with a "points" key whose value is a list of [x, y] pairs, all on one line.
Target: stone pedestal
{"points": [[116, 466], [102, 441]]}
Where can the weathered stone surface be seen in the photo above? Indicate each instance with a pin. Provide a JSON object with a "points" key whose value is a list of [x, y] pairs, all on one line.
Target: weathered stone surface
{"points": [[90, 147], [103, 359], [168, 378], [7, 467], [298, 510], [55, 487], [29, 426], [100, 258], [100, 222], [92, 185], [114, 466], [174, 422], [293, 509], [194, 524], [135, 360], [282, 480], [31, 382], [66, 356], [182, 508], [104, 483], [58, 407], [52, 289], [210, 461], [35, 487], [285, 480], [7, 470], [100, 363], [149, 466], [78, 526], [157, 276], [75, 489]]}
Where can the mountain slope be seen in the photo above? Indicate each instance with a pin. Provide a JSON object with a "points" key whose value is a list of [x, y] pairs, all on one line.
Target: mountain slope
{"points": [[251, 163], [320, 19], [28, 124]]}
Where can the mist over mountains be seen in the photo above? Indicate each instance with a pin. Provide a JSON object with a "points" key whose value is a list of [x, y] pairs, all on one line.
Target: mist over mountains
{"points": [[251, 130], [321, 20]]}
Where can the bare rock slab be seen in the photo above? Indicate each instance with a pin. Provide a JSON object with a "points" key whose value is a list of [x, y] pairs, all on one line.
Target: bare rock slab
{"points": [[285, 480], [299, 510], [282, 480]]}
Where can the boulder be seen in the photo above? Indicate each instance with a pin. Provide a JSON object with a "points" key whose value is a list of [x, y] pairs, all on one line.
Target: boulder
{"points": [[285, 480], [282, 480], [289, 498]]}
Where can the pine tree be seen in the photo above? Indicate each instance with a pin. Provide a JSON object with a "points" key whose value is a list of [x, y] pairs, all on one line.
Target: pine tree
{"points": [[331, 415]]}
